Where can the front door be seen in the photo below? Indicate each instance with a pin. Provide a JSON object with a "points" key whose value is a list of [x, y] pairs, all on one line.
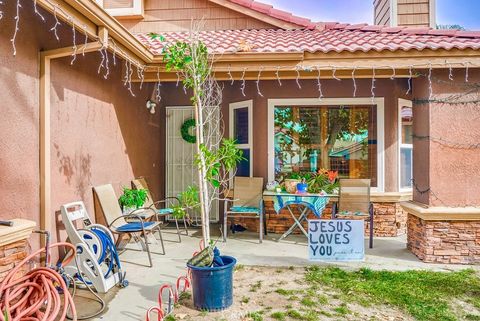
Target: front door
{"points": [[180, 169]]}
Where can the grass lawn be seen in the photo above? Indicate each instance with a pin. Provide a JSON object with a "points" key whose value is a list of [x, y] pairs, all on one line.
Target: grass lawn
{"points": [[328, 293]]}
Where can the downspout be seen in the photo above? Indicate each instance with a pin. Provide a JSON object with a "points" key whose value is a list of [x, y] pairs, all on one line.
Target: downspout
{"points": [[45, 137]]}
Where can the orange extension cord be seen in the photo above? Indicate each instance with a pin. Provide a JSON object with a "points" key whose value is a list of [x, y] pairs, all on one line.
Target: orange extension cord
{"points": [[36, 295]]}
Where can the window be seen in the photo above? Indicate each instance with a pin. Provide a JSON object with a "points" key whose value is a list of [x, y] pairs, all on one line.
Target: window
{"points": [[123, 8], [406, 144], [345, 135], [240, 126]]}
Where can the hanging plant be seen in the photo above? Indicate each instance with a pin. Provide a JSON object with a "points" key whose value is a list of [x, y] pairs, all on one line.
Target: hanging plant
{"points": [[185, 131]]}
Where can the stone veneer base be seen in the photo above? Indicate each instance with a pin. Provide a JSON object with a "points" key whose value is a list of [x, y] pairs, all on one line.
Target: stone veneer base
{"points": [[390, 220], [456, 242]]}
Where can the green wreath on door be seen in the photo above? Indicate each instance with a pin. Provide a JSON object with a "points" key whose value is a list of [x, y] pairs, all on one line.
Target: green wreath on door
{"points": [[185, 131]]}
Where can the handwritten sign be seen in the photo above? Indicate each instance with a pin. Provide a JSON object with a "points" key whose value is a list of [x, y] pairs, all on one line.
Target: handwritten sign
{"points": [[336, 240]]}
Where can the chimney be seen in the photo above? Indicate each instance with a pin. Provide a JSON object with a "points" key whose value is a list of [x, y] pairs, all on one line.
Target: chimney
{"points": [[408, 13]]}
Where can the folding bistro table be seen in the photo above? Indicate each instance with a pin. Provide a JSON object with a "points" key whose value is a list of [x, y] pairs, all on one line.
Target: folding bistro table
{"points": [[309, 202]]}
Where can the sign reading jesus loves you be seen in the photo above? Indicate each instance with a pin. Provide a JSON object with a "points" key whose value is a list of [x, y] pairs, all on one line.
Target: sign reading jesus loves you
{"points": [[336, 240]]}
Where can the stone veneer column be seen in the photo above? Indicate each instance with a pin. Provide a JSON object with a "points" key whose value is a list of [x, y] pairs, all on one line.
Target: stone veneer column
{"points": [[444, 217], [13, 244]]}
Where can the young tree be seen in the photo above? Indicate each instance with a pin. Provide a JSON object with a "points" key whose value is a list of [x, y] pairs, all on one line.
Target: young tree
{"points": [[216, 157]]}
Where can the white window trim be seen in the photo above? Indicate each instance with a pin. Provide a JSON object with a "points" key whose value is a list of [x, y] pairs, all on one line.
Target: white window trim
{"points": [[135, 11], [231, 110], [379, 102], [402, 103]]}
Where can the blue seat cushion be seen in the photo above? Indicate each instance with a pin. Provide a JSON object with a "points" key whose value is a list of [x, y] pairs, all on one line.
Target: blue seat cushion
{"points": [[134, 226], [245, 209], [165, 211]]}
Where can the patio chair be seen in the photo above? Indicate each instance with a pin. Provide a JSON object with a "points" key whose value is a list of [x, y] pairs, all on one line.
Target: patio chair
{"points": [[247, 202], [160, 208], [106, 201], [354, 201]]}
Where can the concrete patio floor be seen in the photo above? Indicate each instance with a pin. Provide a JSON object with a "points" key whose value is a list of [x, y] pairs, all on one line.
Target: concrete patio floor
{"points": [[131, 303]]}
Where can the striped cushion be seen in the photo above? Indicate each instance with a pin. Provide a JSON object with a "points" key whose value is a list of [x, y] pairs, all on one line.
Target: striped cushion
{"points": [[245, 209], [165, 211]]}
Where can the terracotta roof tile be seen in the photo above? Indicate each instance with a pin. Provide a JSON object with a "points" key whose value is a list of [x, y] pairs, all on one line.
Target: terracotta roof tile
{"points": [[328, 37], [275, 13]]}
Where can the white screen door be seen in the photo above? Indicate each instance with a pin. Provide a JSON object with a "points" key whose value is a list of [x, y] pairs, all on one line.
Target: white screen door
{"points": [[180, 169]]}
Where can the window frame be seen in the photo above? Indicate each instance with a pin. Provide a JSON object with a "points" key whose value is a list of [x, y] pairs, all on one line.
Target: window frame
{"points": [[312, 102], [402, 103], [136, 11], [231, 111]]}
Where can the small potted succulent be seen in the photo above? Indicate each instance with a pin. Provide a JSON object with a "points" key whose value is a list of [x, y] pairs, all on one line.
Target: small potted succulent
{"points": [[132, 199]]}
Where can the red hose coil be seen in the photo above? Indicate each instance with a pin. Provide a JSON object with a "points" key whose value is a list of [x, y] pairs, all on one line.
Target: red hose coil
{"points": [[35, 296]]}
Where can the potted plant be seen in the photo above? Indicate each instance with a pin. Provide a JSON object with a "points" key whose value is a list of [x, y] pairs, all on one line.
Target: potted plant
{"points": [[291, 182], [131, 199], [216, 160]]}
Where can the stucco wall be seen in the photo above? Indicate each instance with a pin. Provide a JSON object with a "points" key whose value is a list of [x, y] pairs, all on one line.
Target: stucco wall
{"points": [[445, 163], [391, 90], [99, 133]]}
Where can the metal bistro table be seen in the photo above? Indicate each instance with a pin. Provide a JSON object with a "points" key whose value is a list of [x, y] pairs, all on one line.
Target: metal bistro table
{"points": [[313, 202]]}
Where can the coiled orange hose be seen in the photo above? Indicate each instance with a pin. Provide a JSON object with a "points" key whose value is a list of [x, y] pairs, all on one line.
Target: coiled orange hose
{"points": [[35, 296]]}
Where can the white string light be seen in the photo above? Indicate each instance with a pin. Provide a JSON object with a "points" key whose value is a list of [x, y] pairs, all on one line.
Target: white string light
{"points": [[334, 71], [102, 61], [258, 82], [114, 54], [392, 77], [75, 48], [1, 12], [36, 11], [430, 89], [298, 77], [409, 81], [466, 71], [373, 85], [354, 82], [230, 75], [107, 67], [242, 87], [86, 40], [178, 79], [277, 73], [17, 20], [141, 71], [57, 23], [158, 96], [450, 74], [130, 78], [319, 84]]}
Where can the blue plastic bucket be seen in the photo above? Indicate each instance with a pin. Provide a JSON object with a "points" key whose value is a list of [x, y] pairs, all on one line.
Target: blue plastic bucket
{"points": [[213, 286]]}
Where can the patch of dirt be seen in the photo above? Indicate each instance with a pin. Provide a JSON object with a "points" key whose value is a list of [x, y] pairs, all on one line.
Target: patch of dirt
{"points": [[282, 294]]}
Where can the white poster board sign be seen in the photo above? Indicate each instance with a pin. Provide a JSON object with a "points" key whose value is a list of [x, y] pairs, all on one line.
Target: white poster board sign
{"points": [[336, 240]]}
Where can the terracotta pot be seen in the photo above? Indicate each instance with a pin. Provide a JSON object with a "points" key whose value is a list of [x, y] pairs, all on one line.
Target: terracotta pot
{"points": [[291, 185]]}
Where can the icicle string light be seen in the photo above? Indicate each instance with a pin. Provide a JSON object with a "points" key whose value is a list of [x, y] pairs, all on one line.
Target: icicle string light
{"points": [[57, 23], [430, 89], [75, 48], [450, 72], [334, 73], [142, 75], [102, 61], [354, 82], [392, 77], [298, 77], [158, 95], [277, 73], [17, 20], [242, 87], [258, 82], [373, 85], [130, 78], [466, 71], [319, 84], [409, 81], [178, 79], [107, 67], [86, 40], [36, 10], [230, 77], [1, 12]]}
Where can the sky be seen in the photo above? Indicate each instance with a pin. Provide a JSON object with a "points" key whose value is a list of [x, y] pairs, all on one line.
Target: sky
{"points": [[463, 12]]}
